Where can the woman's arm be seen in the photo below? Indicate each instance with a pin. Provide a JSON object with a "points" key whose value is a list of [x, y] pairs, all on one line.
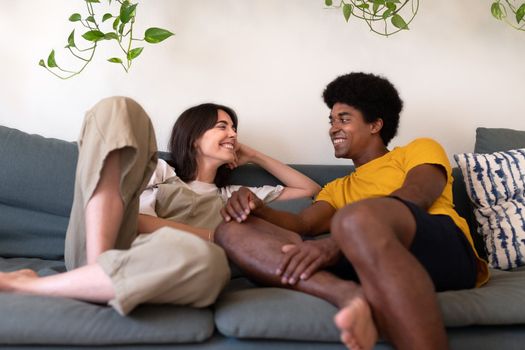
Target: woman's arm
{"points": [[296, 184], [148, 224]]}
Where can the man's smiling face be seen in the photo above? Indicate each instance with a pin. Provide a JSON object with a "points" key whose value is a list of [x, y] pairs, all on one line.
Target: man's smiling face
{"points": [[349, 132]]}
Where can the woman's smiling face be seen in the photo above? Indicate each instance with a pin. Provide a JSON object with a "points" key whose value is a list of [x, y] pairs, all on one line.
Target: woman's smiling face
{"points": [[217, 145]]}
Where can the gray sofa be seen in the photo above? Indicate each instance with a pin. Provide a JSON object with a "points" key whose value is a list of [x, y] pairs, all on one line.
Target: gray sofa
{"points": [[36, 189]]}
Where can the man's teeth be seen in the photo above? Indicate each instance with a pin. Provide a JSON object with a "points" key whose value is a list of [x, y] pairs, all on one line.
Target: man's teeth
{"points": [[337, 141]]}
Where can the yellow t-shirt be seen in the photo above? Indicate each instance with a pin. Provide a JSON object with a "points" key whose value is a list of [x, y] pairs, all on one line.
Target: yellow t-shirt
{"points": [[382, 176]]}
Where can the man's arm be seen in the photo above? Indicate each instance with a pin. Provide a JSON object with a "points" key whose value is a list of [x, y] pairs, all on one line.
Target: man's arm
{"points": [[313, 220], [423, 185]]}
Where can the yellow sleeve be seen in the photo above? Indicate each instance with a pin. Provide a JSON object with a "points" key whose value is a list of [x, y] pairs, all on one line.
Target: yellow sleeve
{"points": [[426, 151], [328, 192]]}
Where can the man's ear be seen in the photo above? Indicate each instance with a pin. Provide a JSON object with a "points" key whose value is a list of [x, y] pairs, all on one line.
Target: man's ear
{"points": [[376, 126]]}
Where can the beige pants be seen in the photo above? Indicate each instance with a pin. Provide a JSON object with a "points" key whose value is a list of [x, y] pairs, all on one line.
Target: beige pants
{"points": [[166, 266]]}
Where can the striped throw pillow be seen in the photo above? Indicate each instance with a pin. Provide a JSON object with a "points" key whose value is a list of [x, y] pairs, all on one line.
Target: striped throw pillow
{"points": [[496, 186]]}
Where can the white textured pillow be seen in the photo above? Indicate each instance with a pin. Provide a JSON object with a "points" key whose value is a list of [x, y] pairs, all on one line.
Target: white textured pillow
{"points": [[496, 185]]}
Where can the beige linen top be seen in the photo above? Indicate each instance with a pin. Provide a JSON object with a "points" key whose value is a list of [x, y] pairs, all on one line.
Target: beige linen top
{"points": [[195, 203]]}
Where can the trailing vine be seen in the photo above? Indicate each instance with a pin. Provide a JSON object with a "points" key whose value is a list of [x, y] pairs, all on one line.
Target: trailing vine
{"points": [[97, 30], [507, 10], [383, 17]]}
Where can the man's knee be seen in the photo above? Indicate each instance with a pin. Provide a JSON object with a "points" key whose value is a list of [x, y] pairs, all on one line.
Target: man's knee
{"points": [[350, 222], [362, 230]]}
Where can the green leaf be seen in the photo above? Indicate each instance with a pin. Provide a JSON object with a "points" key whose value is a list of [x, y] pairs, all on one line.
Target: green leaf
{"points": [[391, 6], [399, 22], [75, 17], [115, 60], [377, 4], [387, 14], [328, 2], [135, 53], [106, 17], [51, 63], [347, 11], [111, 35], [520, 13], [497, 10], [363, 6], [96, 1], [121, 28], [93, 35], [91, 19], [127, 12], [41, 63], [116, 22], [375, 7], [71, 39], [156, 35]]}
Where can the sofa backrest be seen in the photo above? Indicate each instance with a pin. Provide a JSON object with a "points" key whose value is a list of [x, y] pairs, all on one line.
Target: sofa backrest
{"points": [[36, 191]]}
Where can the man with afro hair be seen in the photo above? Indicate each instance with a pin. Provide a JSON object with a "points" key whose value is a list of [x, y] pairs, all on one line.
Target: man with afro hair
{"points": [[395, 236]]}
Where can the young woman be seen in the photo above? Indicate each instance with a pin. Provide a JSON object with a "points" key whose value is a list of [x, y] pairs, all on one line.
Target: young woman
{"points": [[121, 189]]}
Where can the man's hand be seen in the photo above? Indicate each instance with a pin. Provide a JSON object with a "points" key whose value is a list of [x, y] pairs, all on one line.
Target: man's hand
{"points": [[300, 261], [241, 204]]}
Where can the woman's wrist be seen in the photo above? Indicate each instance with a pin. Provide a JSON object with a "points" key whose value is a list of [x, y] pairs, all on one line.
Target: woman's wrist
{"points": [[255, 158]]}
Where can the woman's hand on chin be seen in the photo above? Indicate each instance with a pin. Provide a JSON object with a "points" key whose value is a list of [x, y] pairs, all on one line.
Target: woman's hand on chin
{"points": [[243, 154]]}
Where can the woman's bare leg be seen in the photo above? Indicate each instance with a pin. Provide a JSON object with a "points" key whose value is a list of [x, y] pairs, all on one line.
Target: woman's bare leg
{"points": [[103, 217], [89, 283], [104, 210], [104, 213]]}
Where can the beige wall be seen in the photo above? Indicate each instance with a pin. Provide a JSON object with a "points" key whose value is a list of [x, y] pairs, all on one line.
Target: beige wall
{"points": [[456, 69]]}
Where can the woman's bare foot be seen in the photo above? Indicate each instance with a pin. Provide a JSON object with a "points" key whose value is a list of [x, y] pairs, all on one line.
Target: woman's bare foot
{"points": [[9, 281], [358, 331]]}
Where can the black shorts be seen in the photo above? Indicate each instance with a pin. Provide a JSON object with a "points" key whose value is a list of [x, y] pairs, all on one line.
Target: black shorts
{"points": [[439, 245]]}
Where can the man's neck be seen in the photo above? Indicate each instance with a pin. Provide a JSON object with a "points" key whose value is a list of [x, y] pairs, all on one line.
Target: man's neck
{"points": [[370, 155]]}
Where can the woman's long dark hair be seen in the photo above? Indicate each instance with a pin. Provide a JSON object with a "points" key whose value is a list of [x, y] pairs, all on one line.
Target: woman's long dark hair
{"points": [[188, 128]]}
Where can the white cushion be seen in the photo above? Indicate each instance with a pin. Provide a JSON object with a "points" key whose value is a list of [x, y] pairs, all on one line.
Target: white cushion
{"points": [[495, 184]]}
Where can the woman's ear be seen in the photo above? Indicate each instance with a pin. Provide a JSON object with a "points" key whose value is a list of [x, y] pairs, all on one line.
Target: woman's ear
{"points": [[376, 126], [196, 145]]}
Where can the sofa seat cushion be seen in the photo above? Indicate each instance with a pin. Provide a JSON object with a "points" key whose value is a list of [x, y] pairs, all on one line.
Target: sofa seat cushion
{"points": [[499, 302], [42, 320], [246, 311]]}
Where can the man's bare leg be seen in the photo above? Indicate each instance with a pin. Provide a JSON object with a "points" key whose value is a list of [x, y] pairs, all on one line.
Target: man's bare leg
{"points": [[395, 286], [104, 210], [255, 246], [355, 320]]}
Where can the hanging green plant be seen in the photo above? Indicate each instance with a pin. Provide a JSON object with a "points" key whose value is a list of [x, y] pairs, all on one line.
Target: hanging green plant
{"points": [[111, 27], [383, 17], [511, 12]]}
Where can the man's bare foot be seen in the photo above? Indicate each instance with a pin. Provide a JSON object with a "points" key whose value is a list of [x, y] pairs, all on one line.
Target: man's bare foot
{"points": [[358, 331], [10, 280]]}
